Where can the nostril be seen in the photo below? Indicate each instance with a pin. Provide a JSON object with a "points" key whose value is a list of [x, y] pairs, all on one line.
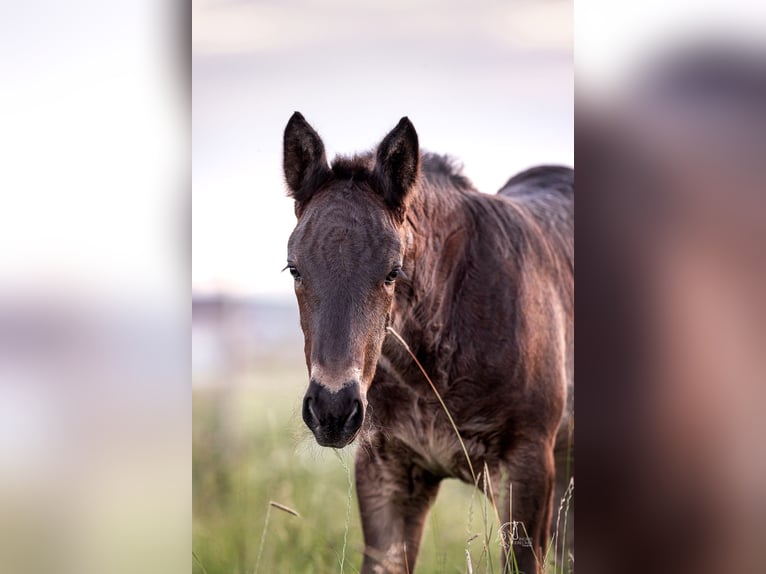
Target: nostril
{"points": [[354, 412], [312, 411], [309, 415]]}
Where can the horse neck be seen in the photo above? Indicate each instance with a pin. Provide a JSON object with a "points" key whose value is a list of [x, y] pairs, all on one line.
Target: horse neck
{"points": [[433, 218], [433, 214]]}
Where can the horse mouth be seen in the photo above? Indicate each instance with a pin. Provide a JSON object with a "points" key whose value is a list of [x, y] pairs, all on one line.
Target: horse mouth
{"points": [[340, 438], [335, 443]]}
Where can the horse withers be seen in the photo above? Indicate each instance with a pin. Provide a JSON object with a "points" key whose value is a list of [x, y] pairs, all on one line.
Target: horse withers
{"points": [[480, 287]]}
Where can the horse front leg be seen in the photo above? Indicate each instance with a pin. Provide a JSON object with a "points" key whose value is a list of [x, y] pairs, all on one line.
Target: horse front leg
{"points": [[394, 498], [530, 476]]}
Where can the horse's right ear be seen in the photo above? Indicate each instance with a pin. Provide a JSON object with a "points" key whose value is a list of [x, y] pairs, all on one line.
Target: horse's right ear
{"points": [[397, 164], [304, 160]]}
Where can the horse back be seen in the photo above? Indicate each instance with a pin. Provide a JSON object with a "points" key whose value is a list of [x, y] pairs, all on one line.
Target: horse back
{"points": [[547, 193], [542, 178]]}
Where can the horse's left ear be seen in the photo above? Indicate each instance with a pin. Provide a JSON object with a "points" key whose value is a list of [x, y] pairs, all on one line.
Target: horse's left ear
{"points": [[397, 163], [304, 160]]}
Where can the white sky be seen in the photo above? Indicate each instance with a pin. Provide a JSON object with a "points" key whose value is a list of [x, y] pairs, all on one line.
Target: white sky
{"points": [[93, 147], [490, 82]]}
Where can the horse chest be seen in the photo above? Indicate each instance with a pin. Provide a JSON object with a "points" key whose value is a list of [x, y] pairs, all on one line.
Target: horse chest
{"points": [[416, 420], [432, 442]]}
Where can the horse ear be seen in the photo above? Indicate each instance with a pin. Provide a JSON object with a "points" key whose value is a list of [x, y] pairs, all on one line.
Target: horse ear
{"points": [[304, 161], [397, 163]]}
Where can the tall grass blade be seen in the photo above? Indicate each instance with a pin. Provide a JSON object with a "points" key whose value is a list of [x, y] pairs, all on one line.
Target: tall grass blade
{"points": [[284, 508], [263, 538], [514, 563], [266, 521], [348, 508], [570, 490]]}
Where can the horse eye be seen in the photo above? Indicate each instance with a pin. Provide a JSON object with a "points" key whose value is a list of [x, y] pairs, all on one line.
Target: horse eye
{"points": [[391, 277], [294, 272]]}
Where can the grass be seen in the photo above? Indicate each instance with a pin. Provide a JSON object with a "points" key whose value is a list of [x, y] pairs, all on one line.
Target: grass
{"points": [[267, 499]]}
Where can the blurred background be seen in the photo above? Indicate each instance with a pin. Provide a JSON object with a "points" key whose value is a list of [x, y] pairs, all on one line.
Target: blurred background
{"points": [[95, 261], [94, 293], [671, 226], [489, 82]]}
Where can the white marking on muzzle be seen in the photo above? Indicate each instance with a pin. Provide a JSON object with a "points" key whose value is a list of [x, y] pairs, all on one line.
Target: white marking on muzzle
{"points": [[334, 380]]}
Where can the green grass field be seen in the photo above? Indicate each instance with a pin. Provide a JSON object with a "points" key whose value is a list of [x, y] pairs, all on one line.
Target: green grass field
{"points": [[251, 448]]}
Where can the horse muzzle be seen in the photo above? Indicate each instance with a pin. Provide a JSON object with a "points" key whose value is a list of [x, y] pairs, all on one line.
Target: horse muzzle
{"points": [[334, 417]]}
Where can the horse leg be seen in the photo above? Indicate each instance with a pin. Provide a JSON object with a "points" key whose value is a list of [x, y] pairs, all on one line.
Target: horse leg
{"points": [[529, 476], [394, 498]]}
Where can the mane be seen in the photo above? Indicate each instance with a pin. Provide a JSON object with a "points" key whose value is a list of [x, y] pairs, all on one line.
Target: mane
{"points": [[437, 169], [357, 167]]}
